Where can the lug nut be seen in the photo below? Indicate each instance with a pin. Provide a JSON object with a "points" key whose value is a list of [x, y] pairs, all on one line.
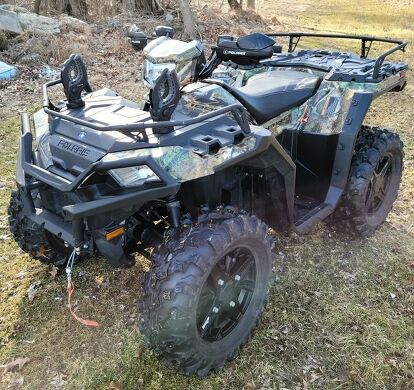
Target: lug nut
{"points": [[237, 278], [232, 304], [220, 282], [215, 309]]}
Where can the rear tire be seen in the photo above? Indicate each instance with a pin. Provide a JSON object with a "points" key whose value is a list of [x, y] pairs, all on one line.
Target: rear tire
{"points": [[373, 182], [206, 290], [32, 238]]}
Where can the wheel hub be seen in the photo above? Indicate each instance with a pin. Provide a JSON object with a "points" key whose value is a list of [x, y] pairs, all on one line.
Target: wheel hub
{"points": [[379, 184], [226, 294]]}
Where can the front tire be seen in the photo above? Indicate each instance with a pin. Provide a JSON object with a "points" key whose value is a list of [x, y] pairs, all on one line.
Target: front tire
{"points": [[32, 238], [373, 182], [206, 290]]}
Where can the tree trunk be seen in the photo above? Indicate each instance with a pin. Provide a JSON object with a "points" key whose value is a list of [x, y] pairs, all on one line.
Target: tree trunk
{"points": [[129, 5], [36, 6], [234, 4], [189, 19], [78, 7], [251, 4], [150, 6]]}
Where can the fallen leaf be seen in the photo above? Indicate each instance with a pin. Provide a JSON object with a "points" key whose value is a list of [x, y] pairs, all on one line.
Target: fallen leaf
{"points": [[16, 383], [32, 290], [314, 377], [114, 386], [285, 330], [21, 274], [101, 282], [15, 365], [58, 380], [266, 382], [41, 251], [53, 272], [392, 296]]}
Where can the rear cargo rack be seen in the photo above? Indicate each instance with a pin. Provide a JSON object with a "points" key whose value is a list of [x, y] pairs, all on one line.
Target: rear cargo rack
{"points": [[366, 43], [238, 112]]}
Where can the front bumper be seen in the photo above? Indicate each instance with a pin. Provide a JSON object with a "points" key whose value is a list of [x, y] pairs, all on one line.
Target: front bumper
{"points": [[72, 228]]}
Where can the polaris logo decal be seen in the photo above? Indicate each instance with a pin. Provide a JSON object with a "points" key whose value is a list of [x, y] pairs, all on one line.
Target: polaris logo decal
{"points": [[234, 52], [73, 148]]}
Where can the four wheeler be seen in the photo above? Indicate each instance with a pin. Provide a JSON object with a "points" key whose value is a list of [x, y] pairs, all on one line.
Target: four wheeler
{"points": [[193, 180]]}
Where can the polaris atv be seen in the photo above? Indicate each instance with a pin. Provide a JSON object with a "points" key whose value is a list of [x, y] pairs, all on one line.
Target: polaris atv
{"points": [[193, 179]]}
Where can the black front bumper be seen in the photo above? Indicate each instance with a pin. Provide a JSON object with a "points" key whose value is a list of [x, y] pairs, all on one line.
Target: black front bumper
{"points": [[72, 228]]}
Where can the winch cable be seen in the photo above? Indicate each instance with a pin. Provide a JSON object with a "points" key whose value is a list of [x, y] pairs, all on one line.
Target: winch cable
{"points": [[71, 288]]}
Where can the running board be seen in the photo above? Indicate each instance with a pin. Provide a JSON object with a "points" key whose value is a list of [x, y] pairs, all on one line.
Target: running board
{"points": [[305, 224], [309, 220]]}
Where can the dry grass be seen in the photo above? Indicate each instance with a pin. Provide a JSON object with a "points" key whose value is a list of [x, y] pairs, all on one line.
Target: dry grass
{"points": [[340, 315]]}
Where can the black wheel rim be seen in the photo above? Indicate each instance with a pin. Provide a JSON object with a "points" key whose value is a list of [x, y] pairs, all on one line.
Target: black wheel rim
{"points": [[379, 184], [226, 294]]}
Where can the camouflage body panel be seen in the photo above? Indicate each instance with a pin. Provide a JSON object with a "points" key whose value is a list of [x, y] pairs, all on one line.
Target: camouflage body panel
{"points": [[184, 164], [200, 98], [325, 111]]}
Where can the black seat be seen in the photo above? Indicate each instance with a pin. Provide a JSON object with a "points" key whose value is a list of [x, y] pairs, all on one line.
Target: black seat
{"points": [[269, 94]]}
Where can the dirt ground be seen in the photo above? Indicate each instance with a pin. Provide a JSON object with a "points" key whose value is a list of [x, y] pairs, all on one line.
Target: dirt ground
{"points": [[340, 315]]}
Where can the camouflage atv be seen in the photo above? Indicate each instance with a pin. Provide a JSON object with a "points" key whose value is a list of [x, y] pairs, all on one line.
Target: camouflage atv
{"points": [[195, 177]]}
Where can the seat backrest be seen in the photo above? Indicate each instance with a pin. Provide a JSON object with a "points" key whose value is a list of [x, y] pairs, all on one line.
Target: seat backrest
{"points": [[246, 50], [255, 41]]}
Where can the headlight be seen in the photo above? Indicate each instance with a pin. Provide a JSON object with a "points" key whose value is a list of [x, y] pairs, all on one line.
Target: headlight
{"points": [[133, 176], [152, 71]]}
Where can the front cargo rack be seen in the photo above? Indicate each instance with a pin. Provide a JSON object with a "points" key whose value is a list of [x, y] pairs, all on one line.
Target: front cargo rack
{"points": [[237, 110]]}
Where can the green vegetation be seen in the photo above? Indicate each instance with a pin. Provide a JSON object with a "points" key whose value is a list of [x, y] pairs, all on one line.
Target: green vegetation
{"points": [[341, 313]]}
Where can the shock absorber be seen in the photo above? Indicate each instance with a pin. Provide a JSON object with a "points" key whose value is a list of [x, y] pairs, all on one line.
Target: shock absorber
{"points": [[174, 210]]}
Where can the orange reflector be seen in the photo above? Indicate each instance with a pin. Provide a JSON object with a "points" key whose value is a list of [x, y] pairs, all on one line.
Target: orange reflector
{"points": [[115, 233]]}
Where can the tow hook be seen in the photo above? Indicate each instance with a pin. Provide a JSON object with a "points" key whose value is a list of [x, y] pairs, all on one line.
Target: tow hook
{"points": [[71, 288]]}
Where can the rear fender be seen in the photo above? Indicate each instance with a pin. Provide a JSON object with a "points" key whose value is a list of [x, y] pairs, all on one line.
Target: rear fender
{"points": [[354, 118]]}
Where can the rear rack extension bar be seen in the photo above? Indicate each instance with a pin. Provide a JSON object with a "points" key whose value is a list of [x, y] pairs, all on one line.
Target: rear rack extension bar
{"points": [[366, 42]]}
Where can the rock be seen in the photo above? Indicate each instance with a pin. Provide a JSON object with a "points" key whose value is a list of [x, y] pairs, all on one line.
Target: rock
{"points": [[115, 22], [23, 20], [73, 23], [29, 59], [7, 72], [49, 73], [14, 8], [169, 17], [9, 22], [39, 23]]}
